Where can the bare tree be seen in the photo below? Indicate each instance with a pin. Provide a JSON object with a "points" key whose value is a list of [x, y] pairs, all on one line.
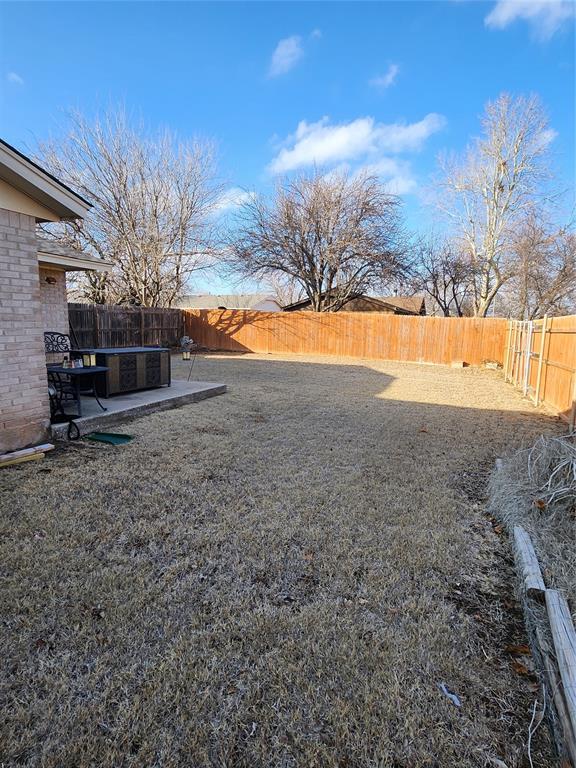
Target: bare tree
{"points": [[441, 271], [331, 235], [489, 192], [286, 290], [544, 279], [152, 199]]}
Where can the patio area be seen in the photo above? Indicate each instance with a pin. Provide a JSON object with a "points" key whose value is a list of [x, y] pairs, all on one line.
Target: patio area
{"points": [[131, 404]]}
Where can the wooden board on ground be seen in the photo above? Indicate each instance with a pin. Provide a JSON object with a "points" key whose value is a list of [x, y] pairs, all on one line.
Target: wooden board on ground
{"points": [[564, 637], [528, 563], [25, 454], [22, 459]]}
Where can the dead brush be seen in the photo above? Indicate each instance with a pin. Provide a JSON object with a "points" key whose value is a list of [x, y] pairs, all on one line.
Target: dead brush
{"points": [[536, 488], [553, 461]]}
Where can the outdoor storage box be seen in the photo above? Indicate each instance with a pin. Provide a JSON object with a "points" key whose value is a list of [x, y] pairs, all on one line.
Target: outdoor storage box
{"points": [[131, 368]]}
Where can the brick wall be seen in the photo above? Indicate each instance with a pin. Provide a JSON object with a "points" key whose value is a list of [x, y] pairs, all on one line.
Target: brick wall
{"points": [[24, 409], [54, 305], [54, 299]]}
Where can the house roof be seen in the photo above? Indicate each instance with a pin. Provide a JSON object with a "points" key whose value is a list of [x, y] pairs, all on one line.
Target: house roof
{"points": [[306, 302], [56, 254], [228, 301], [26, 176], [409, 305]]}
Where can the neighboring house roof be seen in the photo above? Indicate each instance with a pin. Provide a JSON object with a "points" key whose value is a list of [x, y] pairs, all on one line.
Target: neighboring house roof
{"points": [[402, 305], [227, 301], [55, 254], [413, 305], [58, 202], [306, 302]]}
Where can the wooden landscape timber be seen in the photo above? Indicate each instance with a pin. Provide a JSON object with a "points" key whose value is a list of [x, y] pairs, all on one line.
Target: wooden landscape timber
{"points": [[559, 671], [564, 637], [25, 454], [527, 564]]}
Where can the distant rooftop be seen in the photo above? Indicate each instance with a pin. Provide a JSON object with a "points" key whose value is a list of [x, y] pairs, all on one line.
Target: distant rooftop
{"points": [[226, 301], [412, 304]]}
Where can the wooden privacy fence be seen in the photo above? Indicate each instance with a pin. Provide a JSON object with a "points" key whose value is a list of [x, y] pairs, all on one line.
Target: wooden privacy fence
{"points": [[540, 358], [351, 334], [104, 325]]}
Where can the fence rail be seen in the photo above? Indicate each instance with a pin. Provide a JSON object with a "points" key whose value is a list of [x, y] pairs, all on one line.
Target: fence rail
{"points": [[351, 334], [106, 325], [540, 358]]}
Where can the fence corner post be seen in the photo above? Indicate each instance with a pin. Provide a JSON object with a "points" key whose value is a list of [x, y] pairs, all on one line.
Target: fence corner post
{"points": [[507, 349], [541, 360]]}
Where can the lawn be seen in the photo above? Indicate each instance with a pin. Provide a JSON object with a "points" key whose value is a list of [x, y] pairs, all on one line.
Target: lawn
{"points": [[281, 576]]}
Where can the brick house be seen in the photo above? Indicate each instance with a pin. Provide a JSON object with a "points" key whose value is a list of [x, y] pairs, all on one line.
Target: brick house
{"points": [[32, 291]]}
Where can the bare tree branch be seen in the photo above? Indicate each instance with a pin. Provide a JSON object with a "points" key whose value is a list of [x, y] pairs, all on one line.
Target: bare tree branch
{"points": [[445, 274], [332, 236], [487, 194], [152, 203]]}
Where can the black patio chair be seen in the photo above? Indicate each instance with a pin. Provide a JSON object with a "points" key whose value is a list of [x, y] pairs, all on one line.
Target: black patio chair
{"points": [[63, 390], [58, 415], [56, 343], [60, 388]]}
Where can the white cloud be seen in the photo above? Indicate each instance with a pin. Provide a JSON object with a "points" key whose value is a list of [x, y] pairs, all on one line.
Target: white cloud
{"points": [[321, 143], [387, 79], [396, 174], [316, 34], [14, 78], [548, 136], [233, 198], [546, 16], [286, 55]]}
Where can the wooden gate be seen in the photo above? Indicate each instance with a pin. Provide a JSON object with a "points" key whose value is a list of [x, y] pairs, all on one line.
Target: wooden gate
{"points": [[540, 359]]}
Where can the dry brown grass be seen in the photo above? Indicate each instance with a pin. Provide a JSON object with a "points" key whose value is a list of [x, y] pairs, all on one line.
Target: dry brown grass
{"points": [[277, 577]]}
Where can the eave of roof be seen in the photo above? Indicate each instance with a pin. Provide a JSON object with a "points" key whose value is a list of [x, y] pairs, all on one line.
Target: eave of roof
{"points": [[28, 177], [57, 255]]}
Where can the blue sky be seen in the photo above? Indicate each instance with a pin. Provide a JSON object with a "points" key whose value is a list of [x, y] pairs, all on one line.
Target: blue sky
{"points": [[280, 85]]}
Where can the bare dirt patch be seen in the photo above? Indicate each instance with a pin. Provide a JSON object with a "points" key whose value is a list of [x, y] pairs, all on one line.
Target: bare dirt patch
{"points": [[281, 576]]}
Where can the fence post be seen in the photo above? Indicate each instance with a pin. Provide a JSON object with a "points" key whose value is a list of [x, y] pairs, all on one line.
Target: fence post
{"points": [[530, 326], [141, 326], [96, 326], [507, 350], [572, 422], [521, 352], [514, 370], [540, 360]]}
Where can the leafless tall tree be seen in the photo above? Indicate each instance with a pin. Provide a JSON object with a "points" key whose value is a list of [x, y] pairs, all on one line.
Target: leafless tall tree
{"points": [[489, 192], [152, 200], [333, 235], [544, 279], [445, 274]]}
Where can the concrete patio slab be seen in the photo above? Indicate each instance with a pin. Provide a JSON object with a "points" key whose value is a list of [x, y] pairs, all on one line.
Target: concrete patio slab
{"points": [[121, 407]]}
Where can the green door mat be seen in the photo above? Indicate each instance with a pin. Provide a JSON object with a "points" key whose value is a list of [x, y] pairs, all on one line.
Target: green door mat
{"points": [[109, 437]]}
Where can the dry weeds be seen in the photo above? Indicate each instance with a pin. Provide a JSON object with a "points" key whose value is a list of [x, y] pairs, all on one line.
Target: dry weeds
{"points": [[277, 577], [536, 488]]}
